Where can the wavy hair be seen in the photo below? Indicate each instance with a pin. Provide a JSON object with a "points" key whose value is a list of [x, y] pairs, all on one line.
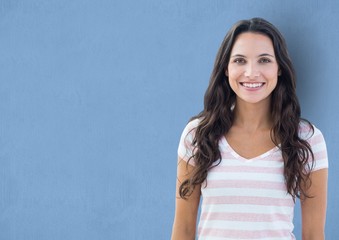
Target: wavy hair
{"points": [[217, 116]]}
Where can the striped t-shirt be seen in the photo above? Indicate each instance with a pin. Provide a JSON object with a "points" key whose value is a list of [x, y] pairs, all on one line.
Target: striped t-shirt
{"points": [[248, 199]]}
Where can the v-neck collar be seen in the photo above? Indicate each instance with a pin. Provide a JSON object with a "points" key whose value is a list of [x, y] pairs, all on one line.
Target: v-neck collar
{"points": [[238, 156]]}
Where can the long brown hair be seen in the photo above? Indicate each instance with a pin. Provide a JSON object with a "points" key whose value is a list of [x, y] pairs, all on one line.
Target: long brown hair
{"points": [[217, 116]]}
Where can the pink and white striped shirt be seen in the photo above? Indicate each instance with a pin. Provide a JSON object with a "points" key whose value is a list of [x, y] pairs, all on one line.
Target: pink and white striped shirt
{"points": [[247, 198]]}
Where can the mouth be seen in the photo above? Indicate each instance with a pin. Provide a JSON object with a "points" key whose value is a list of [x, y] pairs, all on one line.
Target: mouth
{"points": [[252, 85]]}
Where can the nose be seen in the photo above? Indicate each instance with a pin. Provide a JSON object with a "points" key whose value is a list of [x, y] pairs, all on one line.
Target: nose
{"points": [[251, 72]]}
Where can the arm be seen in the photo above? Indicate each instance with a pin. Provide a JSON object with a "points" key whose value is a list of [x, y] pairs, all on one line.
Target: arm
{"points": [[313, 210], [184, 226]]}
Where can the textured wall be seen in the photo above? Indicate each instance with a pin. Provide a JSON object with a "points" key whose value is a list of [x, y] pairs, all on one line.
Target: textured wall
{"points": [[94, 96]]}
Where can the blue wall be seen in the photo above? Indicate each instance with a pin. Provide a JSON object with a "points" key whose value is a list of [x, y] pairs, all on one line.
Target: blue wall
{"points": [[94, 96]]}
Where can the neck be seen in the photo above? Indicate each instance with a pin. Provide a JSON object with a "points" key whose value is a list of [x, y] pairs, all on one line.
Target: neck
{"points": [[252, 116]]}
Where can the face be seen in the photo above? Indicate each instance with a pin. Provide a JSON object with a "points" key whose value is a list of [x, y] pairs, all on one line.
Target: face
{"points": [[253, 70]]}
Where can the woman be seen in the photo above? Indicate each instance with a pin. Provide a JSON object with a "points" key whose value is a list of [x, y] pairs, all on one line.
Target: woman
{"points": [[248, 155]]}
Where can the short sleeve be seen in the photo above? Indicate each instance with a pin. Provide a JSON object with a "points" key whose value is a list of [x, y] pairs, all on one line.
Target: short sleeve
{"points": [[186, 148], [319, 149], [318, 145]]}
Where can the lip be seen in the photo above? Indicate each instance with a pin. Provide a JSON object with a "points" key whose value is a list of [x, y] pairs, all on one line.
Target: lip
{"points": [[252, 86]]}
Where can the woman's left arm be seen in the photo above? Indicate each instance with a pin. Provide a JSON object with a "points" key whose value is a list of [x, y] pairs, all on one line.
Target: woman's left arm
{"points": [[313, 210]]}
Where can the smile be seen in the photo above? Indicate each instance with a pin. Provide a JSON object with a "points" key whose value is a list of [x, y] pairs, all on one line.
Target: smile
{"points": [[252, 85]]}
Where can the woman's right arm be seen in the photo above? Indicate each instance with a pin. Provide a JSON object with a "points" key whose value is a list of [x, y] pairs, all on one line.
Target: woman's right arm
{"points": [[186, 210]]}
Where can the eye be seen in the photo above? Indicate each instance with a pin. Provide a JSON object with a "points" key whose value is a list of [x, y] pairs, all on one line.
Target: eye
{"points": [[239, 60], [264, 60]]}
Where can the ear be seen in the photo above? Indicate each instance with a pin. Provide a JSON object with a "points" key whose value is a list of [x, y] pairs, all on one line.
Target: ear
{"points": [[279, 72], [226, 72]]}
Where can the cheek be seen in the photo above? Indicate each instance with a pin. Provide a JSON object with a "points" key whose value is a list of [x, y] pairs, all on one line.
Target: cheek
{"points": [[271, 74], [233, 80], [234, 73]]}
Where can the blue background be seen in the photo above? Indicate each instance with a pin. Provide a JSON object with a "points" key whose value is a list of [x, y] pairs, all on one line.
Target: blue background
{"points": [[94, 96]]}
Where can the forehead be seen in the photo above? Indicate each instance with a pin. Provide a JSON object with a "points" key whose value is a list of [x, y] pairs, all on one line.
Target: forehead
{"points": [[252, 43]]}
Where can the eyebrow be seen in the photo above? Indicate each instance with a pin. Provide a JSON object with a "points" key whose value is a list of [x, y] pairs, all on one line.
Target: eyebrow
{"points": [[265, 55], [261, 55]]}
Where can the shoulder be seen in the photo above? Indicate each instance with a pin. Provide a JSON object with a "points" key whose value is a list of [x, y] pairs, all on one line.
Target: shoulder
{"points": [[192, 125], [186, 147], [316, 140], [189, 131], [309, 132]]}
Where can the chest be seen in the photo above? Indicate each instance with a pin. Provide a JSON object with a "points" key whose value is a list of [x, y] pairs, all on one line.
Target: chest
{"points": [[250, 145], [259, 178]]}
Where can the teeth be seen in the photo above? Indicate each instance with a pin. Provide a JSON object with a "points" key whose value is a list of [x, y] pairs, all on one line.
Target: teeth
{"points": [[252, 85]]}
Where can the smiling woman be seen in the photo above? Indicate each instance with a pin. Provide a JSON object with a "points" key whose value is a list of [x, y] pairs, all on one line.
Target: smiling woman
{"points": [[249, 154], [253, 69]]}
